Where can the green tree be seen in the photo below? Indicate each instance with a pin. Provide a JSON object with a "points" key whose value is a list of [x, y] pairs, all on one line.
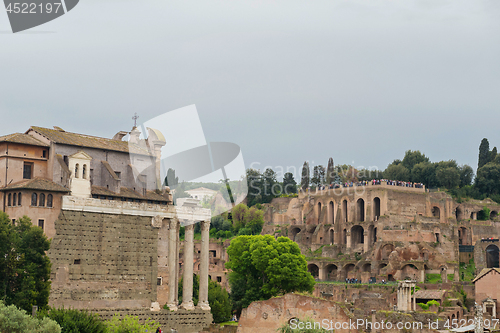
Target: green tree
{"points": [[448, 177], [412, 158], [263, 267], [218, 298], [318, 175], [171, 180], [219, 301], [25, 266], [255, 185], [289, 184], [493, 154], [254, 220], [238, 214], [76, 321], [272, 188], [424, 173], [466, 175], [484, 153], [488, 179], [304, 181], [14, 320], [397, 172], [330, 172]]}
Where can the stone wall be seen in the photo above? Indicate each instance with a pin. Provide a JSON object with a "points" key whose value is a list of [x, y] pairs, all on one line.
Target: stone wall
{"points": [[182, 321], [103, 260], [268, 316]]}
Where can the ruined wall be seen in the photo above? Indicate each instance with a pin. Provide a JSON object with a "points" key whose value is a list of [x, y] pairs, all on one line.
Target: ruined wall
{"points": [[103, 260], [268, 316], [182, 321]]}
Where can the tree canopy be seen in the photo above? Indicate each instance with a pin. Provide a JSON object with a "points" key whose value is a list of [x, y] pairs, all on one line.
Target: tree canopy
{"points": [[24, 265], [263, 267]]}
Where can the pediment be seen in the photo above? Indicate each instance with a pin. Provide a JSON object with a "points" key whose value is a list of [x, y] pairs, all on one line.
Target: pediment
{"points": [[81, 155]]}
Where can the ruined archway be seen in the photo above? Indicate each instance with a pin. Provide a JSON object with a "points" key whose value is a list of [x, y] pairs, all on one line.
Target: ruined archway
{"points": [[344, 236], [331, 213], [319, 212], [294, 233], [459, 214], [462, 236], [436, 212], [332, 234], [360, 210], [357, 235], [381, 267], [409, 272], [367, 268], [386, 251], [376, 208], [348, 271], [344, 211], [331, 272], [493, 214], [314, 270], [492, 258]]}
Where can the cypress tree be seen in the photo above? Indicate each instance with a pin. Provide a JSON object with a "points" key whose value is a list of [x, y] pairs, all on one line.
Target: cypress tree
{"points": [[330, 175], [484, 153], [304, 182]]}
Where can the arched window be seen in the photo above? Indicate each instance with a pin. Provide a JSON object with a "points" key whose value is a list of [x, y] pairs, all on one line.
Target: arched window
{"points": [[14, 199], [41, 202], [49, 200], [9, 200], [34, 200], [19, 199], [84, 170], [76, 170]]}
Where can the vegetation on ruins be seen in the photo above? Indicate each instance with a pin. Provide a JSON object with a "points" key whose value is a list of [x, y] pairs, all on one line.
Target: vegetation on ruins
{"points": [[262, 267], [218, 299], [14, 320], [24, 265], [72, 320], [241, 220], [130, 324]]}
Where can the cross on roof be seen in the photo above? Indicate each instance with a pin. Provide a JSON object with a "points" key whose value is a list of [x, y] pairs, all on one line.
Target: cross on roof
{"points": [[135, 119]]}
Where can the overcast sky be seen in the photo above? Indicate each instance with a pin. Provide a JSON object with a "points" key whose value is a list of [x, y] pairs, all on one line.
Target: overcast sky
{"points": [[359, 80]]}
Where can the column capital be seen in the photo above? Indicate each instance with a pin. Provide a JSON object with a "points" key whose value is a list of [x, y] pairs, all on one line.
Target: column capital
{"points": [[205, 225], [173, 222], [189, 227]]}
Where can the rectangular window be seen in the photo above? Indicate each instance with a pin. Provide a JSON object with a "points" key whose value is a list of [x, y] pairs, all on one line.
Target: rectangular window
{"points": [[77, 262], [44, 154], [219, 279], [27, 170], [118, 174], [41, 224], [158, 281], [13, 221]]}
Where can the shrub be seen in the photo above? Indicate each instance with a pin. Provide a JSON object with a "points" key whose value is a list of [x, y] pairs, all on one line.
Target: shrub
{"points": [[423, 306], [220, 305], [130, 324], [76, 321], [14, 320]]}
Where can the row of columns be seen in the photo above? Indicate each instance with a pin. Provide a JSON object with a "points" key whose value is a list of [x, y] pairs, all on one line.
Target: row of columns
{"points": [[406, 302], [173, 266]]}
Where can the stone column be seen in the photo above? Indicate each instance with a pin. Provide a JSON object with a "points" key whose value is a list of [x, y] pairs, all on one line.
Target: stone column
{"points": [[187, 288], [204, 258], [365, 240], [172, 265], [348, 236]]}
